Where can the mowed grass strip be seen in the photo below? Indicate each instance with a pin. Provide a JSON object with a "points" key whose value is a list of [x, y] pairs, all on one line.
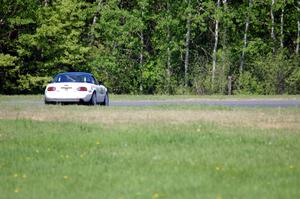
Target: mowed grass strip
{"points": [[265, 118], [54, 159]]}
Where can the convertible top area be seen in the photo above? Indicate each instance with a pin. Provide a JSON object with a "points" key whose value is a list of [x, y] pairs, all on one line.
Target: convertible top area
{"points": [[75, 73], [74, 77]]}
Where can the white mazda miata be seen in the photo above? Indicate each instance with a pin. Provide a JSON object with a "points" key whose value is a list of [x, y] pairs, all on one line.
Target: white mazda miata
{"points": [[76, 87]]}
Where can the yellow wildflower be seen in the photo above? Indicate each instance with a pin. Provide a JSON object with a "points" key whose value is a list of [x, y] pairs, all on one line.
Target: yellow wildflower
{"points": [[98, 142], [24, 176], [15, 175], [155, 196], [66, 177], [219, 196], [17, 190]]}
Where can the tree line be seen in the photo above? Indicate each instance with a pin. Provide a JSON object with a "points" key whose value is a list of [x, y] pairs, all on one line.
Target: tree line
{"points": [[153, 46]]}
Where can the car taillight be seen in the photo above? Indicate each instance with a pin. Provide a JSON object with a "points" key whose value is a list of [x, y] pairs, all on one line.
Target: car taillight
{"points": [[82, 89], [51, 88]]}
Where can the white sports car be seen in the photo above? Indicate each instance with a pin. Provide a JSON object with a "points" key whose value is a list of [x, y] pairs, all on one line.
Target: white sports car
{"points": [[76, 87]]}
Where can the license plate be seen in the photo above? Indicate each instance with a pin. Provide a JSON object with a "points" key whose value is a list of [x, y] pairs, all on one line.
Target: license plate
{"points": [[66, 88]]}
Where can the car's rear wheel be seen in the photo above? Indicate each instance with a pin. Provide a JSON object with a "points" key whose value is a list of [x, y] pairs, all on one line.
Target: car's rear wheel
{"points": [[106, 100], [93, 100], [47, 103]]}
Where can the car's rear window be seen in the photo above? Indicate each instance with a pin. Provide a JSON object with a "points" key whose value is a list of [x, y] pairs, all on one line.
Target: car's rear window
{"points": [[72, 78]]}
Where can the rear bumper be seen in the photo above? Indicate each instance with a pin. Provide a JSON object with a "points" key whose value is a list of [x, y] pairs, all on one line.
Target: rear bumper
{"points": [[73, 99], [62, 100]]}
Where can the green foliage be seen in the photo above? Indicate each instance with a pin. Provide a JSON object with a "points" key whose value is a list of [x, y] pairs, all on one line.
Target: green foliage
{"points": [[7, 60], [140, 46], [249, 84], [274, 70], [57, 42], [293, 80], [32, 84], [8, 70]]}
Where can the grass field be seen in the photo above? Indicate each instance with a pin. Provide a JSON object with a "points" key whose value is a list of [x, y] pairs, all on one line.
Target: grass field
{"points": [[148, 152]]}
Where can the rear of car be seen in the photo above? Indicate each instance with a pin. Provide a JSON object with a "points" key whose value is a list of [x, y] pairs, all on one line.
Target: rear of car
{"points": [[71, 87], [68, 92]]}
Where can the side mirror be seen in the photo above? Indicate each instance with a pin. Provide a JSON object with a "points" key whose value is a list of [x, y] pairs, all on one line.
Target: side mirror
{"points": [[100, 82]]}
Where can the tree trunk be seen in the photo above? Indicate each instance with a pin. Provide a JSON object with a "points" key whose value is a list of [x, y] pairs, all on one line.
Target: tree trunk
{"points": [[98, 10], [245, 39], [214, 56], [298, 38], [46, 3], [224, 50], [187, 47], [282, 26], [141, 59], [272, 27], [141, 49], [141, 52], [298, 33], [229, 85], [169, 67], [95, 18]]}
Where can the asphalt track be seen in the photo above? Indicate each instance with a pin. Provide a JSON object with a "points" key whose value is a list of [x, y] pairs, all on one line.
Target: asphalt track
{"points": [[210, 102], [204, 102]]}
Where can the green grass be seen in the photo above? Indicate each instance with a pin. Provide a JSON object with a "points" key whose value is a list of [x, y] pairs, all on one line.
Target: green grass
{"points": [[168, 151], [155, 160]]}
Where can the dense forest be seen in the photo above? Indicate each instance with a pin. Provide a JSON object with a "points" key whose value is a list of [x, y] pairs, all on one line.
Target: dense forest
{"points": [[153, 46]]}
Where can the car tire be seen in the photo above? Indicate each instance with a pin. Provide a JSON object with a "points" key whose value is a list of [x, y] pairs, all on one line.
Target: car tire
{"points": [[106, 100], [47, 103], [93, 100]]}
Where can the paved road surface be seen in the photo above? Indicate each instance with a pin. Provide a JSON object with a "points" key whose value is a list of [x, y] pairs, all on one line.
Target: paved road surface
{"points": [[232, 103], [209, 102]]}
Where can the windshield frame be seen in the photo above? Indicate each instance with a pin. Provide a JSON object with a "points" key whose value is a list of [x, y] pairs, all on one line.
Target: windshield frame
{"points": [[73, 78]]}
